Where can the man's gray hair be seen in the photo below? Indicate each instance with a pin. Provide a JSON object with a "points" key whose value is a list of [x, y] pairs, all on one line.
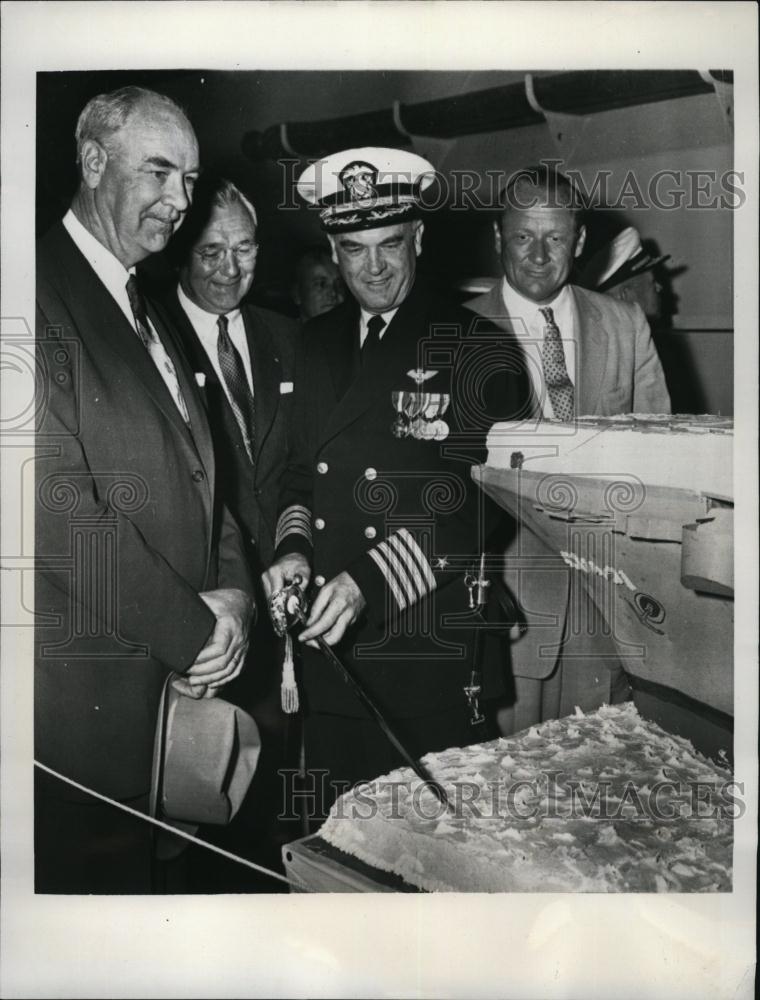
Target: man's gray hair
{"points": [[226, 193], [105, 115]]}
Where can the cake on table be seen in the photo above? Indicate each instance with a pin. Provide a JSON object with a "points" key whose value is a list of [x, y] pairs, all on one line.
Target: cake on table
{"points": [[604, 802]]}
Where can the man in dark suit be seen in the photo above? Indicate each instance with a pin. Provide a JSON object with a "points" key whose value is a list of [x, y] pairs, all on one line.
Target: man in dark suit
{"points": [[378, 508], [244, 356], [577, 353], [140, 570]]}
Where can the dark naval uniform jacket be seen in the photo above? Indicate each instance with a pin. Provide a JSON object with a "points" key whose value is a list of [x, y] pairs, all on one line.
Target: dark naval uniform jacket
{"points": [[400, 514]]}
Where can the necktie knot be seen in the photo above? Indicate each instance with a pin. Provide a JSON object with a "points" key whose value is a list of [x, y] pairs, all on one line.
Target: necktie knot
{"points": [[375, 327], [223, 324], [551, 326]]}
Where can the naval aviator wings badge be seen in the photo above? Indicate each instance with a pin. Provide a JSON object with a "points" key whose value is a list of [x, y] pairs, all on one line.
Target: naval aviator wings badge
{"points": [[419, 414]]}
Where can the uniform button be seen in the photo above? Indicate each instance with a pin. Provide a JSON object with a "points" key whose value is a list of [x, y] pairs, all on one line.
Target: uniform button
{"points": [[319, 523], [319, 581], [322, 467], [370, 532], [198, 476], [370, 473]]}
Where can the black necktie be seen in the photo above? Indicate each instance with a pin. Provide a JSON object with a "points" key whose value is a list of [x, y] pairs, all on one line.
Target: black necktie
{"points": [[375, 326], [155, 347], [558, 384], [233, 370]]}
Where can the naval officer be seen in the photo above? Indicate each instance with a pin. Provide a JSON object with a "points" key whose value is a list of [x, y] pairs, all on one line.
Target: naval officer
{"points": [[378, 512]]}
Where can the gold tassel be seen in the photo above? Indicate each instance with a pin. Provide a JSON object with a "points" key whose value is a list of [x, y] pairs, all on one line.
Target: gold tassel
{"points": [[289, 688]]}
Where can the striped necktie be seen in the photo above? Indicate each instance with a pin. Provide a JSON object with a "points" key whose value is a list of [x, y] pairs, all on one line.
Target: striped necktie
{"points": [[154, 347], [240, 395], [556, 379]]}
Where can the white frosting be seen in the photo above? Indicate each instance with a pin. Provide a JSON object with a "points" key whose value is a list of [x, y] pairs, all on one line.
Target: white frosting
{"points": [[519, 823]]}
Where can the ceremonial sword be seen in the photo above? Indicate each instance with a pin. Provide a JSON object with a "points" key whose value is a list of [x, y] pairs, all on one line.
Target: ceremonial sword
{"points": [[286, 608]]}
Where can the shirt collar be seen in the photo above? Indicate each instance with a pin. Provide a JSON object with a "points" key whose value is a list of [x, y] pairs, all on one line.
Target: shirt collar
{"points": [[520, 307], [387, 316], [108, 268], [202, 321]]}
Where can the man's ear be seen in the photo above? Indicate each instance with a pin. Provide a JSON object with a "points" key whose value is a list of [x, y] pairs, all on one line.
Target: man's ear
{"points": [[93, 162], [580, 242], [497, 238], [333, 249], [419, 230]]}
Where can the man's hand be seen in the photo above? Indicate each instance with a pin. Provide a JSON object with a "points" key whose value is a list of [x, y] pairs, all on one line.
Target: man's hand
{"points": [[222, 658], [338, 604], [282, 572], [193, 691]]}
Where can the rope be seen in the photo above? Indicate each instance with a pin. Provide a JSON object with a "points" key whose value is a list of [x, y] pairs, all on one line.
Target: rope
{"points": [[166, 826]]}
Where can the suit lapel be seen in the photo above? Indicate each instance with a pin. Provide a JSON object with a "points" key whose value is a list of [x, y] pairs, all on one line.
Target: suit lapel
{"points": [[491, 305], [593, 347], [102, 314], [265, 368], [198, 433], [342, 348]]}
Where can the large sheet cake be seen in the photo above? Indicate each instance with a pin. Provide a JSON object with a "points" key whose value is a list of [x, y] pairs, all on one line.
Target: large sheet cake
{"points": [[605, 802]]}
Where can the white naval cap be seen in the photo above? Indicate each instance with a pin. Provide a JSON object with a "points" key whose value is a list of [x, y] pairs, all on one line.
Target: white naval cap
{"points": [[366, 188], [620, 259]]}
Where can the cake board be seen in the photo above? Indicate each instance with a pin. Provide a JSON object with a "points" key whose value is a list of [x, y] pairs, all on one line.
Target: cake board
{"points": [[316, 866]]}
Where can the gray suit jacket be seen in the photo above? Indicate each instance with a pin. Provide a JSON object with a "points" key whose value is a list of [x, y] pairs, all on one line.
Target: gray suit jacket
{"points": [[618, 371], [617, 364]]}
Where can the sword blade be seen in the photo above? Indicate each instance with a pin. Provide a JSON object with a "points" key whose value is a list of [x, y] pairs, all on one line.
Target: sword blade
{"points": [[419, 769]]}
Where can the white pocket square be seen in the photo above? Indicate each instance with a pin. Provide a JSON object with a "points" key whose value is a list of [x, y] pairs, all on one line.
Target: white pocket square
{"points": [[200, 378], [285, 387]]}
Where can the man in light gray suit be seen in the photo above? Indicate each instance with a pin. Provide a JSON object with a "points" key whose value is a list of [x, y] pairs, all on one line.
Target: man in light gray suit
{"points": [[581, 353]]}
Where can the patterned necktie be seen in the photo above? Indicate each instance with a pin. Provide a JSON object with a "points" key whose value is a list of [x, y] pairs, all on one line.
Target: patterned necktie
{"points": [[558, 384], [233, 370], [154, 347], [375, 326]]}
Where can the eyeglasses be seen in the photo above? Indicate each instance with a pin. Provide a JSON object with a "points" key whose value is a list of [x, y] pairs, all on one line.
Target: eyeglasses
{"points": [[213, 256]]}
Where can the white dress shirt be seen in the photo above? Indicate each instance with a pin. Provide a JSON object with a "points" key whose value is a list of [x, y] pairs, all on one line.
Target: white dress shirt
{"points": [[206, 327], [367, 316], [528, 325]]}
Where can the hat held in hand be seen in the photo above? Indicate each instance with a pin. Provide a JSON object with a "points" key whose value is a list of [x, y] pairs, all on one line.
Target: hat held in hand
{"points": [[205, 755]]}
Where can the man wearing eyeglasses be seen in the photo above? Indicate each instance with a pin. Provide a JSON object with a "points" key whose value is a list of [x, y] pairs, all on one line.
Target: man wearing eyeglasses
{"points": [[242, 356], [240, 353]]}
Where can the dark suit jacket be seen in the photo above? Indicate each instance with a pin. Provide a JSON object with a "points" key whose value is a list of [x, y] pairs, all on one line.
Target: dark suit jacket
{"points": [[129, 529], [618, 371], [364, 486], [250, 490]]}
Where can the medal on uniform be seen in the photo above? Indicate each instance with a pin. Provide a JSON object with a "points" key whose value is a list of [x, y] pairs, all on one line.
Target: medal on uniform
{"points": [[413, 408], [439, 427], [399, 427], [418, 414]]}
